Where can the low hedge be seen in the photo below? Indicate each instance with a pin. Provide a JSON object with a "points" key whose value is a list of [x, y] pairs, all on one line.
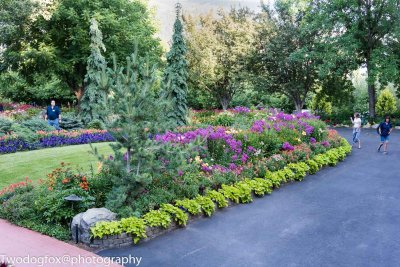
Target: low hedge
{"points": [[240, 192]]}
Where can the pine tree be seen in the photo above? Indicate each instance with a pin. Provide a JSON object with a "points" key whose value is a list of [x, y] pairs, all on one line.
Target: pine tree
{"points": [[135, 115], [176, 74], [92, 102]]}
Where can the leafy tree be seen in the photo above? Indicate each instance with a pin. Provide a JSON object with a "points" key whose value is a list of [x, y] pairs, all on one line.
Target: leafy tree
{"points": [[26, 61], [218, 48], [320, 105], [386, 103], [289, 56], [93, 99], [176, 75], [54, 45], [364, 29]]}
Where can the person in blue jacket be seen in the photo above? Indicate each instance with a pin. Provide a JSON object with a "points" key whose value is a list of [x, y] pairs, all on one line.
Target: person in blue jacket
{"points": [[53, 115], [384, 130]]}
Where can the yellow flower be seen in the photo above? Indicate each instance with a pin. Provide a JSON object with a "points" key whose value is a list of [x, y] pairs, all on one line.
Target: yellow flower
{"points": [[198, 159], [303, 133]]}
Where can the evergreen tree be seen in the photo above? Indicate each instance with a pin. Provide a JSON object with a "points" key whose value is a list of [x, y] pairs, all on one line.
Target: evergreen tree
{"points": [[135, 116], [386, 104], [176, 74], [93, 99]]}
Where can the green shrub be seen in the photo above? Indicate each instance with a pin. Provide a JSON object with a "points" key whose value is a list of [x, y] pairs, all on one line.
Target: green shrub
{"points": [[314, 167], [223, 119], [61, 232], [24, 133], [320, 132], [102, 229], [96, 124], [5, 126], [206, 204], [260, 186], [37, 125], [20, 207], [238, 193], [71, 121], [191, 205], [156, 218], [300, 170], [218, 198], [179, 215], [386, 103], [54, 209], [134, 226]]}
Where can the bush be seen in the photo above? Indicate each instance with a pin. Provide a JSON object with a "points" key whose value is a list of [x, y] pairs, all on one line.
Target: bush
{"points": [[5, 126], [96, 124], [55, 209], [24, 133], [319, 132], [386, 103], [71, 121], [37, 125]]}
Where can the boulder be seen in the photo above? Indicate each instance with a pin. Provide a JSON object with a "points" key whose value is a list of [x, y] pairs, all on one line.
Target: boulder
{"points": [[375, 126], [87, 219]]}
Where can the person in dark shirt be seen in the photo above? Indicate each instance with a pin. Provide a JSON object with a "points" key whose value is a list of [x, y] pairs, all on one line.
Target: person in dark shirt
{"points": [[384, 130], [53, 115]]}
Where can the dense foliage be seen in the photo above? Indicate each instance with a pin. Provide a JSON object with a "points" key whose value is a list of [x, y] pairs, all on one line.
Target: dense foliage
{"points": [[176, 75], [93, 99], [47, 43]]}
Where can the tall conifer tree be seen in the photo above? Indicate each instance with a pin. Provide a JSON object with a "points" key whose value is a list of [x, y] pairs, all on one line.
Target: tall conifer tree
{"points": [[176, 74], [92, 102]]}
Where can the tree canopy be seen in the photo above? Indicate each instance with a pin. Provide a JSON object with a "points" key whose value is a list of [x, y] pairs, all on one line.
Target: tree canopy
{"points": [[53, 48]]}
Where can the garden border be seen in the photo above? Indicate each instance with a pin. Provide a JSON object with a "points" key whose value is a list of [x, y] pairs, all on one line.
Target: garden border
{"points": [[143, 233]]}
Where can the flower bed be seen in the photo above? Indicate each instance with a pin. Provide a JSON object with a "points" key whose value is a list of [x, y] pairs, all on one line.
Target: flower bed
{"points": [[156, 222], [198, 165], [12, 143], [18, 111]]}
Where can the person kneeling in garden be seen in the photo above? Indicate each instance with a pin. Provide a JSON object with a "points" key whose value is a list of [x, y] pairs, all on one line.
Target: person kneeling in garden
{"points": [[53, 115]]}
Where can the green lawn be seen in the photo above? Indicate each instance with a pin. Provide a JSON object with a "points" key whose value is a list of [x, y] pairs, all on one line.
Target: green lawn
{"points": [[36, 164]]}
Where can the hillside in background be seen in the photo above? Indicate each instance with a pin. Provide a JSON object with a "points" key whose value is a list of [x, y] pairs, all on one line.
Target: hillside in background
{"points": [[166, 10]]}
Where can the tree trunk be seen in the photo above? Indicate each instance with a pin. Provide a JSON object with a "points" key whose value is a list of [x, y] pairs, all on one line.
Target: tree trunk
{"points": [[371, 94], [224, 101], [298, 104], [79, 93]]}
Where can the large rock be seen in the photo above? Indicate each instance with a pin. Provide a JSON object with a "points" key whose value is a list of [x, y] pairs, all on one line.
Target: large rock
{"points": [[87, 219]]}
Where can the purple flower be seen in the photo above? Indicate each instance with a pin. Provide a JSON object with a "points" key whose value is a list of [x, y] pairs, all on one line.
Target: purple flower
{"points": [[180, 173], [325, 144], [287, 147], [313, 140], [241, 110], [258, 126], [244, 158], [251, 149], [110, 157], [235, 157]]}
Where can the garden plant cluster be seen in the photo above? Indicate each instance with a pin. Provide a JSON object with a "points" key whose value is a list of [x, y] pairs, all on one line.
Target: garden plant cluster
{"points": [[22, 128], [255, 151]]}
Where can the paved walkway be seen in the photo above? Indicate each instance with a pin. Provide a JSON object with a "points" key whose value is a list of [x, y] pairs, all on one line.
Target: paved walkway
{"points": [[343, 216], [30, 248]]}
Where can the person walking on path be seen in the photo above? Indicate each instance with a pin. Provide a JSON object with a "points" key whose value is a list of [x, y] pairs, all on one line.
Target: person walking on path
{"points": [[53, 115], [356, 129], [384, 130]]}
